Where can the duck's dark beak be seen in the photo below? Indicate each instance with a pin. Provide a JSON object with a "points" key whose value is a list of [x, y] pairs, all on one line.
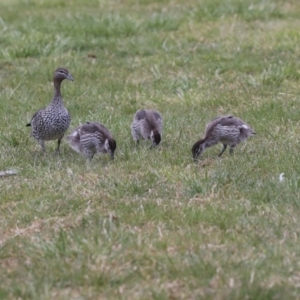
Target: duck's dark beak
{"points": [[70, 77]]}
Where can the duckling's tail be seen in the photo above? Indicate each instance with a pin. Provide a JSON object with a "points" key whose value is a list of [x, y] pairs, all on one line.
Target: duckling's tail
{"points": [[29, 124]]}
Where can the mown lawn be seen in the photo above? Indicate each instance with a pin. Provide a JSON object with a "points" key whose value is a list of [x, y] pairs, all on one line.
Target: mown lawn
{"points": [[152, 224]]}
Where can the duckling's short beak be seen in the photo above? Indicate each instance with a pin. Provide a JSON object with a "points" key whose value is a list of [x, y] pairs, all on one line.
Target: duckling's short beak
{"points": [[70, 77]]}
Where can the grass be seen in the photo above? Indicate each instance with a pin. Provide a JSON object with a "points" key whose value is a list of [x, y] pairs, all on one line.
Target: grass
{"points": [[151, 224]]}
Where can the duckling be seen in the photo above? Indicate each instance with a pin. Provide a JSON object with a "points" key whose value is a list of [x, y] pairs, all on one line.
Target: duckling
{"points": [[52, 122], [228, 130], [147, 124], [91, 138]]}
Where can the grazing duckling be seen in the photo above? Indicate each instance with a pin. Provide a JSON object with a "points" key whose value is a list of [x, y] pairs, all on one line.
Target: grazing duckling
{"points": [[52, 122], [91, 138], [228, 130], [147, 124]]}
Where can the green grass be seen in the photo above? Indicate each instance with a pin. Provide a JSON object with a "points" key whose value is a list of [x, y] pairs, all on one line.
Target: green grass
{"points": [[152, 224]]}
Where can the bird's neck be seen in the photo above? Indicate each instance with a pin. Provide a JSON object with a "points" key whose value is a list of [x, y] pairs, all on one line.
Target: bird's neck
{"points": [[57, 93], [57, 98]]}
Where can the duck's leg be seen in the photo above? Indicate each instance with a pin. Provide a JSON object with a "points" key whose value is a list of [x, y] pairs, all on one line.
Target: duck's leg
{"points": [[223, 149], [90, 156], [231, 150], [42, 144], [58, 145], [88, 153]]}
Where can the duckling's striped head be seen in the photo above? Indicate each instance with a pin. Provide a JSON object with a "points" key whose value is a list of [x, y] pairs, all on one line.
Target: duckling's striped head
{"points": [[155, 137], [198, 148], [110, 146]]}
